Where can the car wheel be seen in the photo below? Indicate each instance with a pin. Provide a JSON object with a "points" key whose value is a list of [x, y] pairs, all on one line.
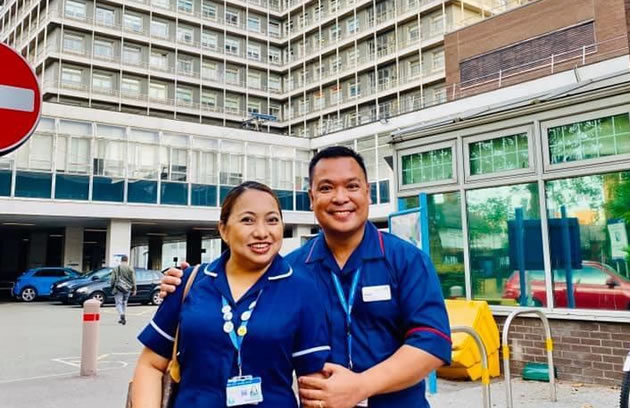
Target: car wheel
{"points": [[155, 298], [100, 296], [28, 294]]}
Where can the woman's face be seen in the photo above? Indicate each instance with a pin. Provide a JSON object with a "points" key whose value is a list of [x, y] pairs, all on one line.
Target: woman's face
{"points": [[254, 229]]}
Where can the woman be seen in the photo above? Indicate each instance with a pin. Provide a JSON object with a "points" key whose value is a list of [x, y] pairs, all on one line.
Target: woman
{"points": [[249, 300]]}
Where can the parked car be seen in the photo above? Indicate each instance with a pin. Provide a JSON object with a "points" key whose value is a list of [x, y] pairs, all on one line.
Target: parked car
{"points": [[595, 286], [147, 282], [36, 282], [59, 290]]}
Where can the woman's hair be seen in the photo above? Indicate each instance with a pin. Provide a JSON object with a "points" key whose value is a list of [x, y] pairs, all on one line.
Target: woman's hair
{"points": [[236, 192]]}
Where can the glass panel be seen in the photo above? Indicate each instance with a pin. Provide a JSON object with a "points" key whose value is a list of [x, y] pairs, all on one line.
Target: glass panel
{"points": [[446, 241], [373, 193], [36, 185], [590, 139], [302, 202], [407, 203], [174, 193], [590, 248], [427, 166], [142, 191], [286, 199], [5, 183], [383, 187], [71, 187], [203, 195], [495, 236], [500, 154], [108, 189]]}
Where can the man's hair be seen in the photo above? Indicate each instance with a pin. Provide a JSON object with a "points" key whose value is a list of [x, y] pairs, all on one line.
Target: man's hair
{"points": [[334, 152], [124, 258]]}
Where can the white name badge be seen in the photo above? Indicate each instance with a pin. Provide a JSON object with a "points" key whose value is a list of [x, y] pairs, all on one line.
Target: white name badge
{"points": [[244, 390], [376, 293], [363, 403]]}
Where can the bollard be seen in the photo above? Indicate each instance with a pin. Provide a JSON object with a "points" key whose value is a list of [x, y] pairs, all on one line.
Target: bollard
{"points": [[89, 343]]}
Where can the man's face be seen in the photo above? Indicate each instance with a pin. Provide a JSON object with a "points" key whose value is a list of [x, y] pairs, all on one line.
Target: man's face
{"points": [[340, 195]]}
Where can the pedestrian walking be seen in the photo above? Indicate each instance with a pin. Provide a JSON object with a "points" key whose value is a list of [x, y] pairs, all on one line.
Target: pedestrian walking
{"points": [[123, 284]]}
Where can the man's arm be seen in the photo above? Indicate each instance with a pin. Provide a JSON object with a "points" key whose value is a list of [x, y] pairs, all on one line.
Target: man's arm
{"points": [[112, 278]]}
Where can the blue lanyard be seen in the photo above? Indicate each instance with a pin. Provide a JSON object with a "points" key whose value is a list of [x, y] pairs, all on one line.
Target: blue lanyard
{"points": [[237, 336], [347, 306]]}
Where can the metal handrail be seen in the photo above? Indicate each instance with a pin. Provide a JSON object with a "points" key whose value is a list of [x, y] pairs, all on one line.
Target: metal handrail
{"points": [[485, 371], [506, 353]]}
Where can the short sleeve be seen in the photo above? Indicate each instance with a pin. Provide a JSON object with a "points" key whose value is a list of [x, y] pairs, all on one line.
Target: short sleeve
{"points": [[159, 334], [312, 343], [426, 320]]}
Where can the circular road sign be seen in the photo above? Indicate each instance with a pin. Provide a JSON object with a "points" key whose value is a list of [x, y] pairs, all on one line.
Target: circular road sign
{"points": [[20, 100]]}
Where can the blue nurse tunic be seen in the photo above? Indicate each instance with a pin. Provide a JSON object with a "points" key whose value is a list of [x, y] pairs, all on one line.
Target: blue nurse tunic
{"points": [[398, 301], [286, 331]]}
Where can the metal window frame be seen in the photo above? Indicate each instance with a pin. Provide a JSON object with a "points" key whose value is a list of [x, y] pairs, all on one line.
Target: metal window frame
{"points": [[452, 144]]}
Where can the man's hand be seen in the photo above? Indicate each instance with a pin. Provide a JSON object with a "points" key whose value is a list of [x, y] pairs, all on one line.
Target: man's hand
{"points": [[341, 389], [170, 281], [134, 293]]}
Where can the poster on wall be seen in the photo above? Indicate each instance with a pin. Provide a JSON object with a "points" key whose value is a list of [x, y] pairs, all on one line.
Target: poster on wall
{"points": [[406, 225], [618, 240]]}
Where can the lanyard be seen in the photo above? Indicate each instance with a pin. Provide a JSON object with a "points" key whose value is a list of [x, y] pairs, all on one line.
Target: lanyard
{"points": [[347, 306], [228, 327]]}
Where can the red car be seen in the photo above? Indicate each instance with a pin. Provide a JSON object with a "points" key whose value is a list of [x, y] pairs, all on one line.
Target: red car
{"points": [[595, 286]]}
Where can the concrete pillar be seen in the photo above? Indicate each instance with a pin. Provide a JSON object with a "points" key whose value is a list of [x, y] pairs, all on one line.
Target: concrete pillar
{"points": [[193, 247], [73, 248], [118, 241], [38, 246], [155, 253], [301, 230]]}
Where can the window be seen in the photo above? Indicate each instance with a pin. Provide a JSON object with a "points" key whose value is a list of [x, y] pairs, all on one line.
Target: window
{"points": [[274, 28], [231, 17], [209, 101], [209, 41], [105, 16], [185, 35], [158, 92], [439, 95], [103, 49], [231, 46], [414, 32], [302, 20], [335, 64], [275, 111], [354, 90], [274, 55], [159, 60], [589, 139], [352, 25], [318, 12], [414, 68], [320, 71], [438, 60], [253, 52], [132, 54], [335, 94], [133, 22], [232, 76], [184, 96], [253, 107], [334, 6], [318, 100], [335, 32], [427, 166], [73, 43], [161, 3], [231, 104], [274, 83], [353, 57], [253, 23], [209, 70], [185, 6], [130, 86], [185, 66], [71, 76], [499, 154], [159, 28], [102, 83], [437, 24], [75, 9], [253, 80], [209, 10]]}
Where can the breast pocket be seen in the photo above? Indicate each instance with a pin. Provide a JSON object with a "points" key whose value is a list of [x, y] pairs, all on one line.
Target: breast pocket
{"points": [[377, 306]]}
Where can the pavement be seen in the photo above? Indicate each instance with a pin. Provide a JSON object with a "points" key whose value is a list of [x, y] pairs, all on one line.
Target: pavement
{"points": [[40, 346]]}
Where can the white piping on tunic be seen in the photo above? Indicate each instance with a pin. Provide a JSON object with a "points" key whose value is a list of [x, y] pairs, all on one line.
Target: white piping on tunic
{"points": [[286, 275], [209, 273], [309, 351], [162, 332]]}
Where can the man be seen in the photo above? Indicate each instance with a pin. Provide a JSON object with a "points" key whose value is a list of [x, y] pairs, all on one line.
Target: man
{"points": [[388, 321], [123, 284]]}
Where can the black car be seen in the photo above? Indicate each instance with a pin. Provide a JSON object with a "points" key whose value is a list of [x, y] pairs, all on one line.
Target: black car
{"points": [[60, 290], [147, 282]]}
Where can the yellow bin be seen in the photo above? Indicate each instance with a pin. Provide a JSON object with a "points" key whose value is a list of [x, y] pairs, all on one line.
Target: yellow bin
{"points": [[465, 355]]}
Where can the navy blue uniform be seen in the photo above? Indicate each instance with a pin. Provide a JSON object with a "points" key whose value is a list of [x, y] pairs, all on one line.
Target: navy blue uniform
{"points": [[414, 314], [286, 331]]}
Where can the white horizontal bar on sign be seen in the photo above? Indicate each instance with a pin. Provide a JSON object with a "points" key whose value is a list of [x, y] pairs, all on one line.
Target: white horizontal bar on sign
{"points": [[19, 99]]}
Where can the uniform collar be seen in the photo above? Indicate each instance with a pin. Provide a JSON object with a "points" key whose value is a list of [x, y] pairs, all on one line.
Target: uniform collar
{"points": [[371, 247], [278, 270]]}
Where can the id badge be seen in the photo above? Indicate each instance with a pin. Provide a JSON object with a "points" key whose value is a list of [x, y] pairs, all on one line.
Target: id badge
{"points": [[243, 390]]}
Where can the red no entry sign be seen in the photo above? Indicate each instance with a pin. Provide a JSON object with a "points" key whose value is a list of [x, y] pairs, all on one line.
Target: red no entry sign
{"points": [[20, 100]]}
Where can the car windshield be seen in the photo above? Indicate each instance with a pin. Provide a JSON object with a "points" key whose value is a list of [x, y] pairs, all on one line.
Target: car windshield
{"points": [[99, 273]]}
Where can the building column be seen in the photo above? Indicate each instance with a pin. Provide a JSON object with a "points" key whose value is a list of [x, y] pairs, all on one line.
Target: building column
{"points": [[73, 248], [118, 241], [193, 247], [155, 253], [300, 231], [37, 250]]}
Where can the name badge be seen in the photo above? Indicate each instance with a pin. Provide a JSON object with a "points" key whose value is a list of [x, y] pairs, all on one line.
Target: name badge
{"points": [[376, 293], [244, 390], [363, 403]]}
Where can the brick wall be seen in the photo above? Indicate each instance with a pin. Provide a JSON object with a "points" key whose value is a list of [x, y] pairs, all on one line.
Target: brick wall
{"points": [[586, 352]]}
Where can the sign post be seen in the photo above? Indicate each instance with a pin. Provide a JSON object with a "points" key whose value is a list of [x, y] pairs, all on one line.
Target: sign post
{"points": [[20, 100]]}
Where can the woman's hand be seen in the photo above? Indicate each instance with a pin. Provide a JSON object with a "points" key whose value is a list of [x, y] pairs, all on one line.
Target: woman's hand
{"points": [[170, 281]]}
